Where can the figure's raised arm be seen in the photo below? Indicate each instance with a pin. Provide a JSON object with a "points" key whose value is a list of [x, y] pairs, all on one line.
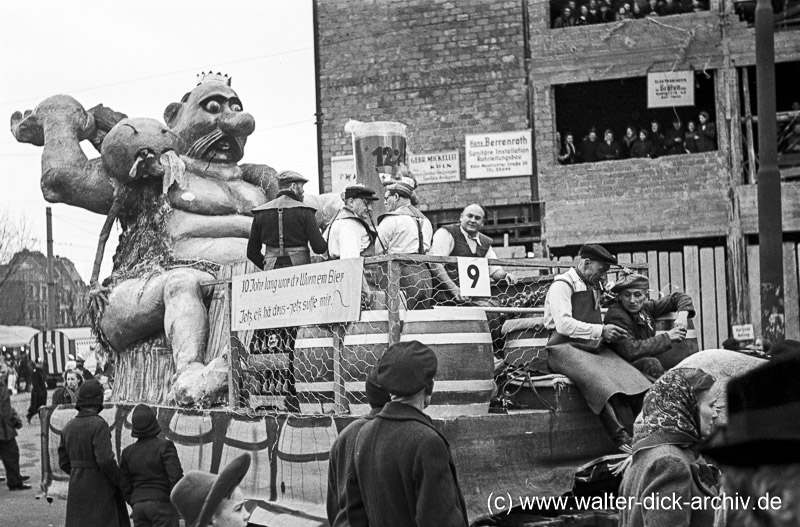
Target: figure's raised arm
{"points": [[60, 123]]}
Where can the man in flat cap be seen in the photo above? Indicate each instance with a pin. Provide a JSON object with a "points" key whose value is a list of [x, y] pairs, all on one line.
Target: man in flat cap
{"points": [[286, 226], [578, 347], [204, 499], [633, 312], [403, 471], [403, 229], [759, 449], [341, 459]]}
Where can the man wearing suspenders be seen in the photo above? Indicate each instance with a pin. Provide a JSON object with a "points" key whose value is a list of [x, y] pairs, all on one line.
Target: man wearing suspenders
{"points": [[286, 226], [403, 229]]}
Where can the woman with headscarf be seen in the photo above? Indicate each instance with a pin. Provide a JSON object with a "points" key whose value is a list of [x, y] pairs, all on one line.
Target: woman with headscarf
{"points": [[679, 412], [636, 314], [68, 394]]}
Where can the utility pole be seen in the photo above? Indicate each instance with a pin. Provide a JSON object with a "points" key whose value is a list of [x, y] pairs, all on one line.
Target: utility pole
{"points": [[770, 222], [52, 302]]}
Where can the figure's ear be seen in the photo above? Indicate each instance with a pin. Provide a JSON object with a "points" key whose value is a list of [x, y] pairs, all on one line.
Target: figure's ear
{"points": [[171, 112]]}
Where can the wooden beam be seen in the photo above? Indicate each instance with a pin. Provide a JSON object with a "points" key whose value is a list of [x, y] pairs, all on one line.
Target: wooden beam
{"points": [[748, 116], [722, 296], [691, 266], [708, 296]]}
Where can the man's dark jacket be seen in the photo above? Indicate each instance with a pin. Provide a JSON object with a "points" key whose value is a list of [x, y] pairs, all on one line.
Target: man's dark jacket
{"points": [[149, 469], [642, 340], [403, 474]]}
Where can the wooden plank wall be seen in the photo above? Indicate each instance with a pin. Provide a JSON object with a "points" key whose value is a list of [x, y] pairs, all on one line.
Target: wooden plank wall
{"points": [[791, 295], [699, 272]]}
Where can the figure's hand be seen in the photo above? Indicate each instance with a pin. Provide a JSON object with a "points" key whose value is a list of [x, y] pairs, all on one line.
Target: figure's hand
{"points": [[677, 334], [98, 298], [612, 332], [367, 299], [511, 279], [60, 112]]}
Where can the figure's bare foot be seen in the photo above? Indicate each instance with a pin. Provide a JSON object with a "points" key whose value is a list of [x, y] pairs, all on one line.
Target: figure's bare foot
{"points": [[199, 385], [60, 111]]}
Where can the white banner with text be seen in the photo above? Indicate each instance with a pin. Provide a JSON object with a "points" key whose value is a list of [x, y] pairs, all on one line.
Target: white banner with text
{"points": [[322, 293]]}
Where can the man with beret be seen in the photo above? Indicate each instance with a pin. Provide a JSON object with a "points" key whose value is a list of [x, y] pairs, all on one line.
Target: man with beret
{"points": [[578, 347], [760, 448], [403, 229], [286, 226], [341, 460], [635, 314], [86, 454], [205, 499], [10, 422], [403, 471], [149, 470]]}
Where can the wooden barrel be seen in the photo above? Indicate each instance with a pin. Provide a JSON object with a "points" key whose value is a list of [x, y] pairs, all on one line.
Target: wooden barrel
{"points": [[364, 343], [249, 435], [193, 434], [302, 454], [528, 347], [680, 350], [463, 344], [313, 369]]}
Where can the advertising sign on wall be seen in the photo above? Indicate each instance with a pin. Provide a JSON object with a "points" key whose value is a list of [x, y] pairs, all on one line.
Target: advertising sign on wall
{"points": [[322, 293], [436, 167], [503, 154], [343, 172], [670, 88]]}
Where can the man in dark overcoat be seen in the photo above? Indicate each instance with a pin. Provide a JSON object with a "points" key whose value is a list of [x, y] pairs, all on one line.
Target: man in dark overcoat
{"points": [[10, 422], [86, 454], [578, 345], [341, 459], [403, 471], [39, 390]]}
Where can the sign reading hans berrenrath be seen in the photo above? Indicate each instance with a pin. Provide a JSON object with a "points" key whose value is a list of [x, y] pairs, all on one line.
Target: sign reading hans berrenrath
{"points": [[670, 88], [436, 167], [323, 293], [503, 154]]}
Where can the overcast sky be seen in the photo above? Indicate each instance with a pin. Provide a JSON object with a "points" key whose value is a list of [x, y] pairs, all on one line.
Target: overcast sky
{"points": [[137, 57]]}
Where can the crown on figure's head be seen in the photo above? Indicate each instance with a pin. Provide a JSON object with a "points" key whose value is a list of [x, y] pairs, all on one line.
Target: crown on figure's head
{"points": [[204, 77]]}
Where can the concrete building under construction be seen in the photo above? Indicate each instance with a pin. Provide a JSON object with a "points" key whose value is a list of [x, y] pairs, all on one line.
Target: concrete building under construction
{"points": [[466, 76]]}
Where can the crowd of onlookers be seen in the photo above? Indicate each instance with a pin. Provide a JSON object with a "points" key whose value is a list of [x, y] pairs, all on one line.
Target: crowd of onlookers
{"points": [[602, 11], [700, 136]]}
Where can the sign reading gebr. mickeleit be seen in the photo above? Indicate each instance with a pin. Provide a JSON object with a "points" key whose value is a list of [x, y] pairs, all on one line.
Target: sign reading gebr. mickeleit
{"points": [[436, 167], [503, 154], [322, 293], [670, 88]]}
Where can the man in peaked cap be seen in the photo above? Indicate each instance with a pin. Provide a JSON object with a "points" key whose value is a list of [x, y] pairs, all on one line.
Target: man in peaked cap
{"points": [[403, 229], [205, 499], [636, 314], [286, 226], [578, 346], [403, 471], [351, 233], [341, 459], [760, 447], [149, 470]]}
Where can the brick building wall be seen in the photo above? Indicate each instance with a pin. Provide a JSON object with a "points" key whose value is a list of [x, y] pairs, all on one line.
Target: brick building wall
{"points": [[444, 68]]}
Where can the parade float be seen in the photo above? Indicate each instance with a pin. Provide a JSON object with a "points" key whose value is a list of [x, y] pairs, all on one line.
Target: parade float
{"points": [[273, 363]]}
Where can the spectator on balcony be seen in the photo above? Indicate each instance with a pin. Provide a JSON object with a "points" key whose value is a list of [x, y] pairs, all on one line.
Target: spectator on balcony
{"points": [[624, 12], [628, 140], [638, 10], [583, 16], [673, 139], [690, 138], [589, 147], [608, 149], [657, 137], [668, 7], [706, 134], [643, 147], [606, 12], [564, 19], [569, 152], [573, 8], [594, 12]]}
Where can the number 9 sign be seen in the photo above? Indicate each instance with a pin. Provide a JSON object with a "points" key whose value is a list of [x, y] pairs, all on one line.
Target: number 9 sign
{"points": [[473, 277]]}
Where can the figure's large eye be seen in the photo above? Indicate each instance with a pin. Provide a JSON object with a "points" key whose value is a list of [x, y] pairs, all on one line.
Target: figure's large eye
{"points": [[213, 106], [236, 107]]}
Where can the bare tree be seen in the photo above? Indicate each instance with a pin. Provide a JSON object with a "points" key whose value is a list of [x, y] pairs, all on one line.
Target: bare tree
{"points": [[15, 235]]}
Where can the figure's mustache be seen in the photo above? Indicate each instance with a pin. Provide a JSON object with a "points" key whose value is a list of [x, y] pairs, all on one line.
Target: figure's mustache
{"points": [[200, 146]]}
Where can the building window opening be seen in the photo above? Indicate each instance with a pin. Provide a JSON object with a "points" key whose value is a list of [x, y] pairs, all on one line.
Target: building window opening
{"points": [[787, 106], [568, 13], [786, 13], [607, 120]]}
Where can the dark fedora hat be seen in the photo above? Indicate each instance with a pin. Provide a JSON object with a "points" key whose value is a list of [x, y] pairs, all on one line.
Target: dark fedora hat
{"points": [[763, 417], [199, 493]]}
